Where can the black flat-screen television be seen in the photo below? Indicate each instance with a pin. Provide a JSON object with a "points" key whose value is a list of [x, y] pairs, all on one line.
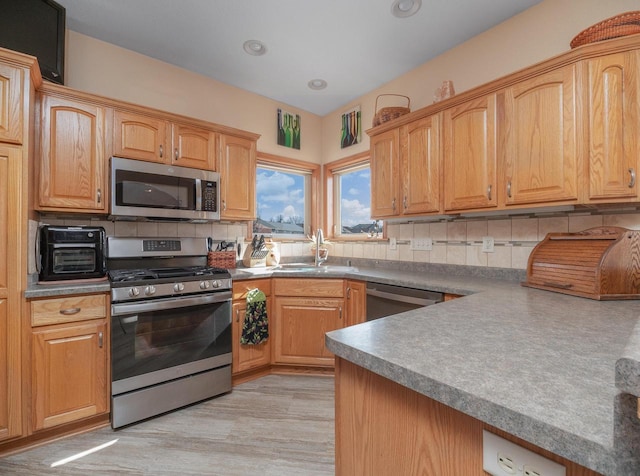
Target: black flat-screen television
{"points": [[37, 28]]}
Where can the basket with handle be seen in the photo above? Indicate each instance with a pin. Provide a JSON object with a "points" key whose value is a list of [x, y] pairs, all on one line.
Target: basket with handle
{"points": [[620, 25], [389, 113]]}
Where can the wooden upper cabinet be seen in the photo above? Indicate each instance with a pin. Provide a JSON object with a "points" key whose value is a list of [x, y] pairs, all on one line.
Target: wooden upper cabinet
{"points": [[194, 147], [421, 159], [538, 139], [385, 174], [470, 155], [140, 137], [154, 139], [613, 119], [72, 155], [11, 116], [237, 167]]}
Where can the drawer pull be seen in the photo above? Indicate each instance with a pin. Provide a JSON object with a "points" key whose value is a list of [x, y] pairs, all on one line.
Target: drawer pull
{"points": [[175, 153], [489, 192], [340, 308], [237, 315], [70, 312], [632, 183], [161, 151], [558, 285], [509, 189], [100, 339]]}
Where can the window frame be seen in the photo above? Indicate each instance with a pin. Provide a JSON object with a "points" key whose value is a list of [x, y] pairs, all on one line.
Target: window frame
{"points": [[296, 166], [331, 171]]}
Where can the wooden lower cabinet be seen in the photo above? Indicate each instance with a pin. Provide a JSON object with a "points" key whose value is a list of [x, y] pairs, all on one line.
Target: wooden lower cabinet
{"points": [[385, 428], [249, 357], [300, 328], [305, 310], [356, 300], [70, 360]]}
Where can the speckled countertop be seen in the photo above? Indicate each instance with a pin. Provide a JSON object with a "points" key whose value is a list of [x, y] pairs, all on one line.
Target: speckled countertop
{"points": [[537, 364], [558, 371]]}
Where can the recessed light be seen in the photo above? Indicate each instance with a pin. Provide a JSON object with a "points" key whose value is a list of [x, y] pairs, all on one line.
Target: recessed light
{"points": [[317, 84], [405, 8], [254, 47]]}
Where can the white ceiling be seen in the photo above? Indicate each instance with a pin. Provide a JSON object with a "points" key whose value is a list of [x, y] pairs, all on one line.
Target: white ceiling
{"points": [[355, 45]]}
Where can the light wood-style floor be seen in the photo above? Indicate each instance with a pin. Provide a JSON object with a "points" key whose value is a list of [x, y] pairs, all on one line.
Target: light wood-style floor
{"points": [[273, 426]]}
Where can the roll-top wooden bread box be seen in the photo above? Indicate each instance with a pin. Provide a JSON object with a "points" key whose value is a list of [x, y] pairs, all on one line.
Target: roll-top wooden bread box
{"points": [[599, 263]]}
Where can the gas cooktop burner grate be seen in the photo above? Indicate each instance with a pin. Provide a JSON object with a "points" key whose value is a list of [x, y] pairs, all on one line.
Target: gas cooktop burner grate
{"points": [[122, 275]]}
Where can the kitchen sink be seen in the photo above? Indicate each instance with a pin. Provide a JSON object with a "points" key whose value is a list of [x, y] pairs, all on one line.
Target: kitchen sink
{"points": [[310, 268]]}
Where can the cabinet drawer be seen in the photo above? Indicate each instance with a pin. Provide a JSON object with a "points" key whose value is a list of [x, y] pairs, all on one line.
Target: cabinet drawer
{"points": [[241, 288], [68, 309], [309, 287]]}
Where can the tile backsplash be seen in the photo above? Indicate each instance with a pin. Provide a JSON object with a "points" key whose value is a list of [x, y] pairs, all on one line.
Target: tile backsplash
{"points": [[455, 241]]}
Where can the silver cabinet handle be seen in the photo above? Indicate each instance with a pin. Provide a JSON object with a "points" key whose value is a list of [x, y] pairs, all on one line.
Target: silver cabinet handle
{"points": [[632, 183], [100, 339], [340, 309], [489, 192], [175, 153], [161, 151], [349, 293], [509, 189], [404, 202], [99, 195], [71, 311], [224, 205], [393, 204], [238, 315]]}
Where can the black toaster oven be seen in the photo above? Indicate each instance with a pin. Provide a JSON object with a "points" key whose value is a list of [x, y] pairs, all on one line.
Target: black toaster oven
{"points": [[71, 252]]}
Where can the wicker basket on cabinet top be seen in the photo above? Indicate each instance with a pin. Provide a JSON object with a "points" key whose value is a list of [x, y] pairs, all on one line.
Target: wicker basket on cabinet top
{"points": [[389, 113], [620, 25], [600, 263]]}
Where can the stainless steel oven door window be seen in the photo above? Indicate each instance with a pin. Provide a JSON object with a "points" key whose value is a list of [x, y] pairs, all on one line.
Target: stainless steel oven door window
{"points": [[150, 340], [73, 260]]}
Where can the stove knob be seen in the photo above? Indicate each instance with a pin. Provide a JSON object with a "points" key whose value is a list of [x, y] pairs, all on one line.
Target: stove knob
{"points": [[150, 290], [216, 283], [204, 284], [134, 292], [178, 287]]}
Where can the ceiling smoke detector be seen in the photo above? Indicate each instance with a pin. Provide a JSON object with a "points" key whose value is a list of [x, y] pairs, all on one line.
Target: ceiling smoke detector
{"points": [[317, 84], [405, 8], [254, 47]]}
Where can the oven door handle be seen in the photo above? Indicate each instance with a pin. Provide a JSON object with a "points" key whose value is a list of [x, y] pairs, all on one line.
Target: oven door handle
{"points": [[170, 303]]}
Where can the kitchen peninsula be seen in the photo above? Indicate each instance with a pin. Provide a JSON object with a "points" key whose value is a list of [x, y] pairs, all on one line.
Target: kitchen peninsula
{"points": [[415, 390]]}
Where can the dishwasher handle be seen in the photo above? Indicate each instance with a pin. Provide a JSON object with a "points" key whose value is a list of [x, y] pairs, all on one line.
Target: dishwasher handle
{"points": [[400, 298]]}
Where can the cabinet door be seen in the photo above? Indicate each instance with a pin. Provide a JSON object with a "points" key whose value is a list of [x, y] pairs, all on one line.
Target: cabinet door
{"points": [[300, 325], [237, 167], [614, 119], [385, 174], [356, 296], [11, 117], [140, 137], [194, 147], [70, 370], [10, 292], [247, 357], [72, 155], [420, 173], [540, 157], [470, 155]]}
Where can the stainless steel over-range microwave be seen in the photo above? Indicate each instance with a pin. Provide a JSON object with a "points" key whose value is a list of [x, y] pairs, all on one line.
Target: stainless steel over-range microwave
{"points": [[148, 190]]}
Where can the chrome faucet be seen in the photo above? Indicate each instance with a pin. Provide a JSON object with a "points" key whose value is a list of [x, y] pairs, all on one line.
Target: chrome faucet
{"points": [[319, 241]]}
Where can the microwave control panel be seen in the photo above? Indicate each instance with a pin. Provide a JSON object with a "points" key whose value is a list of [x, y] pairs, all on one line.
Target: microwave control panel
{"points": [[209, 197]]}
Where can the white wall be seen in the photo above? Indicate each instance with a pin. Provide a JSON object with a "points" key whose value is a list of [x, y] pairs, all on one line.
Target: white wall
{"points": [[108, 70], [536, 34]]}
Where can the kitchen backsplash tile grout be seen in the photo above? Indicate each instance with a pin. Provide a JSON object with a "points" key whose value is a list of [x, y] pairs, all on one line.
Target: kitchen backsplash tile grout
{"points": [[456, 242]]}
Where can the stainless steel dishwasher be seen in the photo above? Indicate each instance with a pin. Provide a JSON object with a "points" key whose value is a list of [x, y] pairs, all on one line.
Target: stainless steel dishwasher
{"points": [[386, 299]]}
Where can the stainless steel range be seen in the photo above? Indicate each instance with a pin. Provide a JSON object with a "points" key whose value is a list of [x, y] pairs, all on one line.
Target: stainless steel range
{"points": [[170, 326]]}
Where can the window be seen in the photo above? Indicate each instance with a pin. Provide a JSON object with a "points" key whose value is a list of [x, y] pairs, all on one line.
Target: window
{"points": [[284, 194], [349, 211]]}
